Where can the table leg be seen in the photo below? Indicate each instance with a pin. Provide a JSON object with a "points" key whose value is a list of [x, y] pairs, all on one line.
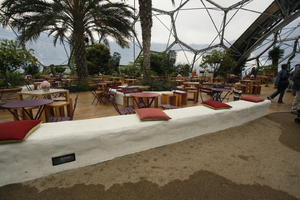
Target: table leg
{"points": [[156, 102], [39, 112], [135, 101], [14, 112], [151, 101], [28, 113]]}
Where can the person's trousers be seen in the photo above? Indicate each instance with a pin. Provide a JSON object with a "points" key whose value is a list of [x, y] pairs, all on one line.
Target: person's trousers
{"points": [[279, 91], [296, 101]]}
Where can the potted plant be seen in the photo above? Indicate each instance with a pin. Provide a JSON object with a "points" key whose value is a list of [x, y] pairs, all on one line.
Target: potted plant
{"points": [[45, 86]]}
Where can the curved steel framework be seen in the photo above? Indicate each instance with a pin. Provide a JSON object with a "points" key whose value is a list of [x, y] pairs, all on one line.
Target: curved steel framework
{"points": [[273, 27]]}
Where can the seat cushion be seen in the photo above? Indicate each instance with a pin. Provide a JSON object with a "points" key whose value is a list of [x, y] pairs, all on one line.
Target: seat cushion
{"points": [[252, 99], [152, 114], [17, 130], [216, 104]]}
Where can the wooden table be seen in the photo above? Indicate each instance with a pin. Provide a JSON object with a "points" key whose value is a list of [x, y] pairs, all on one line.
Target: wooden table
{"points": [[41, 94], [146, 99], [14, 106]]}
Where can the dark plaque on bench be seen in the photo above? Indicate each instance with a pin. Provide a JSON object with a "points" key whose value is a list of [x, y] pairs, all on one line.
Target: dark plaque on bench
{"points": [[63, 159]]}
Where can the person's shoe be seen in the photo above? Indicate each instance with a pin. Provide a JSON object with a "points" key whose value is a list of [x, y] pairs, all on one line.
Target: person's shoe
{"points": [[269, 98], [280, 102]]}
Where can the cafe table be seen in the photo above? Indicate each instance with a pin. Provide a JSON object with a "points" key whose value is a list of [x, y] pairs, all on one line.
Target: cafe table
{"points": [[145, 99], [15, 106], [42, 94]]}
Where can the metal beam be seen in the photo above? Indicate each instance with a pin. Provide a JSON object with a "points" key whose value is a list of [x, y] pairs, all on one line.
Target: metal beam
{"points": [[215, 4], [286, 21], [238, 4]]}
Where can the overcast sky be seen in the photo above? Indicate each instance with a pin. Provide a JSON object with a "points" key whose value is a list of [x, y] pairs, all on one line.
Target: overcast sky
{"points": [[193, 23], [195, 26]]}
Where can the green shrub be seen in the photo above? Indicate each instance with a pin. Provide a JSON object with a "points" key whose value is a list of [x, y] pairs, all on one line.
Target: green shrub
{"points": [[11, 79], [98, 57], [14, 57], [131, 70], [159, 84]]}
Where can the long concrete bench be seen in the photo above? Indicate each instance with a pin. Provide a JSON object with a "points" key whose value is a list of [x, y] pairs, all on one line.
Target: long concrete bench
{"points": [[100, 139]]}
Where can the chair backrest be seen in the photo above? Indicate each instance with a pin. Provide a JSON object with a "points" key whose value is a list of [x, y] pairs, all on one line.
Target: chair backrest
{"points": [[75, 105], [28, 84]]}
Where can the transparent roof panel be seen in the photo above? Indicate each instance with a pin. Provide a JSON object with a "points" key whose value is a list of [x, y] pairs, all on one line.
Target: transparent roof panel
{"points": [[201, 22], [163, 33], [196, 27]]}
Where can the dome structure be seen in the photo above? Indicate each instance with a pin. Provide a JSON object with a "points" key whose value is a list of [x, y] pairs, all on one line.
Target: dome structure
{"points": [[248, 28]]}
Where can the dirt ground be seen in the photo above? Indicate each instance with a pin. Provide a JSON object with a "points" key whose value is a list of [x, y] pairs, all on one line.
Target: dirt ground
{"points": [[258, 160]]}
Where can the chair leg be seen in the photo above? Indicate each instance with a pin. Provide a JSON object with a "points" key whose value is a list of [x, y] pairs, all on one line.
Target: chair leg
{"points": [[56, 112], [62, 111], [70, 107]]}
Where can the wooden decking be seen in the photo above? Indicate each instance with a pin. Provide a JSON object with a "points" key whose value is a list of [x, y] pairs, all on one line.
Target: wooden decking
{"points": [[85, 110]]}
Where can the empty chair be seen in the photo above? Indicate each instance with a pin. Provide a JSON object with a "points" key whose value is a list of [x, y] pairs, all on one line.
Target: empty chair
{"points": [[67, 118], [206, 91], [121, 111], [100, 96]]}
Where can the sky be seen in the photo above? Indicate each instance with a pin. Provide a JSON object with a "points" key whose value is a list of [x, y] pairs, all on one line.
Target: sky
{"points": [[194, 24]]}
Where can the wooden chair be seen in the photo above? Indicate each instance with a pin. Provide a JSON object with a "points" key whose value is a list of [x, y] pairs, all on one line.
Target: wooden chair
{"points": [[65, 118], [122, 111], [206, 91], [181, 97], [100, 96]]}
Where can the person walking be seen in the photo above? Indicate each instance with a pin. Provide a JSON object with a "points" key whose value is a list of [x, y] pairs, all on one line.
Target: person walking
{"points": [[281, 83], [296, 87]]}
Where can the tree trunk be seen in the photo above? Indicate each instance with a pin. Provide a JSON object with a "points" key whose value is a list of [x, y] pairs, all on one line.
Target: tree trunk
{"points": [[80, 58], [79, 49], [145, 11]]}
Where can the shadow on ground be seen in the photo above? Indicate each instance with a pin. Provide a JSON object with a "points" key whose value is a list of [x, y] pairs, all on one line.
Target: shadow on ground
{"points": [[200, 185], [290, 136]]}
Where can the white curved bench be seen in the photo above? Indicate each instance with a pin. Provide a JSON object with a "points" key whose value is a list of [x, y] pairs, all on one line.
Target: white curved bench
{"points": [[100, 139]]}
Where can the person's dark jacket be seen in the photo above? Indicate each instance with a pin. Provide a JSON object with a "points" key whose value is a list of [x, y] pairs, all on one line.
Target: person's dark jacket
{"points": [[296, 79], [282, 79]]}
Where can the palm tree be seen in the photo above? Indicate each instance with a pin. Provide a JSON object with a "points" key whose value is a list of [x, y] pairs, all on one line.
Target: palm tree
{"points": [[71, 20], [145, 12], [275, 54]]}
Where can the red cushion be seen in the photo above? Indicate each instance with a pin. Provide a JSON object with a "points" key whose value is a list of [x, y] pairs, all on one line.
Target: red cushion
{"points": [[252, 99], [17, 130], [152, 114], [216, 104]]}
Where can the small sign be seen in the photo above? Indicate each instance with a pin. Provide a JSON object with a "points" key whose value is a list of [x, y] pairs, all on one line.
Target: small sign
{"points": [[63, 159]]}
